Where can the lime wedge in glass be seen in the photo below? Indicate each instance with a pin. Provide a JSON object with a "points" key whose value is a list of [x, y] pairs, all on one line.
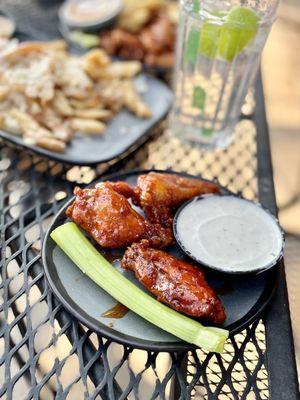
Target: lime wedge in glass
{"points": [[210, 33], [229, 35], [209, 39], [239, 29]]}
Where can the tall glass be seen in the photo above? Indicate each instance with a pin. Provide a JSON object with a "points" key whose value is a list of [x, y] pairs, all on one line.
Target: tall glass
{"points": [[219, 45]]}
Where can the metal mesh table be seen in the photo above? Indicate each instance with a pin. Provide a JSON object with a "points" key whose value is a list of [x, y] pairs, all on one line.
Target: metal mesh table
{"points": [[45, 353]]}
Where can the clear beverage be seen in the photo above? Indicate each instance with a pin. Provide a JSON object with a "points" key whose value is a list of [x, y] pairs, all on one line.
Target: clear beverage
{"points": [[218, 53]]}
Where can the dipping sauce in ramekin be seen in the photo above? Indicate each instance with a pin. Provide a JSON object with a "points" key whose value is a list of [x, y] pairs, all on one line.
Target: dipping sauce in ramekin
{"points": [[88, 13], [7, 27], [229, 234]]}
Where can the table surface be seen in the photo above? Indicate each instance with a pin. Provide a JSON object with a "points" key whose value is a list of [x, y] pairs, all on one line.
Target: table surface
{"points": [[45, 353]]}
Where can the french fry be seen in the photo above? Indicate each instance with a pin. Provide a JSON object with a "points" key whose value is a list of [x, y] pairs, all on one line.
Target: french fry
{"points": [[63, 132], [57, 45], [26, 122], [93, 113], [87, 126], [30, 126], [51, 143], [76, 93], [49, 118], [26, 48], [122, 70], [92, 101], [133, 102], [10, 124], [61, 104]]}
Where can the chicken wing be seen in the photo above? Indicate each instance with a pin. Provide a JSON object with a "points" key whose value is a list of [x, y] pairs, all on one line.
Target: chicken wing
{"points": [[159, 194], [125, 189], [175, 282], [108, 217]]}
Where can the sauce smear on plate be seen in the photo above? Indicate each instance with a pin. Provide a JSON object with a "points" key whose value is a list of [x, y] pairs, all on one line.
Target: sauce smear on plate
{"points": [[118, 311]]}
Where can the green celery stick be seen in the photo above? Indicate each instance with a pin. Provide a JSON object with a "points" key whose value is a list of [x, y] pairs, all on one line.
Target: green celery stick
{"points": [[80, 250]]}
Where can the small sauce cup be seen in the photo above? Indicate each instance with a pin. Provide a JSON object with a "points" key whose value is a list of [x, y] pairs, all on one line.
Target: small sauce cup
{"points": [[89, 14], [7, 26], [229, 234]]}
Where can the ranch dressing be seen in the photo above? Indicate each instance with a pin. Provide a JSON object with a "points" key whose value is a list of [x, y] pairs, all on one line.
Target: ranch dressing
{"points": [[7, 27], [229, 233], [90, 11]]}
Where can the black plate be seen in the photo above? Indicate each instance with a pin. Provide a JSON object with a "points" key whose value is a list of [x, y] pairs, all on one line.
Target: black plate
{"points": [[122, 133], [244, 298]]}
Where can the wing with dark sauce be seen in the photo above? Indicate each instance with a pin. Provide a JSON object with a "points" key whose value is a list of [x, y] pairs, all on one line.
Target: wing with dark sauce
{"points": [[175, 282], [109, 219], [159, 194]]}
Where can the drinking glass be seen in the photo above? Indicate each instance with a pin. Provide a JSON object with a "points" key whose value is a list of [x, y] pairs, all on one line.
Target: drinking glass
{"points": [[219, 43]]}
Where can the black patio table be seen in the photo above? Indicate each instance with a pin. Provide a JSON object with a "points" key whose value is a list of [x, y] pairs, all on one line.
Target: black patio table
{"points": [[45, 353]]}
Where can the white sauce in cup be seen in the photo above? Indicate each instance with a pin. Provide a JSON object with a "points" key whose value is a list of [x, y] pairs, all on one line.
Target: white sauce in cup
{"points": [[86, 12], [7, 27], [229, 234]]}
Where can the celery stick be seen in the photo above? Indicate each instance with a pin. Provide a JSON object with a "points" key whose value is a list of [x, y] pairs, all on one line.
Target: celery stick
{"points": [[80, 250]]}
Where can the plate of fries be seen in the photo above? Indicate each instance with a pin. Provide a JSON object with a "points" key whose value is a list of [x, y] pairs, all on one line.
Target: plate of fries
{"points": [[79, 109]]}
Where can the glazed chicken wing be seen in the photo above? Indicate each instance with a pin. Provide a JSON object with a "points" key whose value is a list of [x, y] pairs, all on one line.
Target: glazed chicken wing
{"points": [[174, 282], [125, 189], [160, 193], [108, 217]]}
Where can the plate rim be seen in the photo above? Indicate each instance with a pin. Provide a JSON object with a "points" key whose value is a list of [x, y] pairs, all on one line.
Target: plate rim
{"points": [[129, 148], [109, 333]]}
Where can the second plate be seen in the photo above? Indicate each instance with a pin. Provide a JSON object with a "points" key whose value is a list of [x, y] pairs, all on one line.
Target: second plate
{"points": [[123, 132]]}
